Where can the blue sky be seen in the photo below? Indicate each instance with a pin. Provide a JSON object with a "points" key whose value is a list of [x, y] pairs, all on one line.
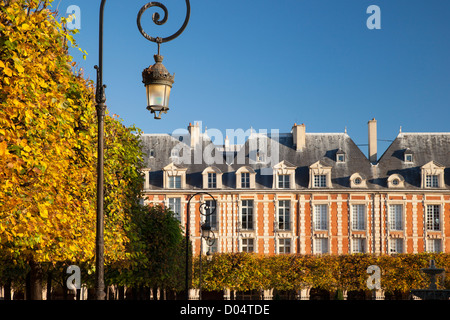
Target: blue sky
{"points": [[267, 64]]}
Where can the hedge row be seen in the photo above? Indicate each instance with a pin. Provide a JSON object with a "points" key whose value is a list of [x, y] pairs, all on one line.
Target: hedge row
{"points": [[243, 271]]}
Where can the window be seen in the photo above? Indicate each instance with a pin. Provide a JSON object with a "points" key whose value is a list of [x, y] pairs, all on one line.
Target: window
{"points": [[245, 180], [433, 217], [284, 245], [211, 214], [396, 245], [213, 248], [359, 217], [247, 214], [175, 207], [408, 157], [260, 156], [284, 175], [320, 176], [357, 181], [320, 217], [174, 177], [359, 245], [321, 245], [175, 182], [174, 153], [434, 245], [320, 181], [152, 153], [212, 180], [396, 217], [283, 181], [432, 181], [247, 245], [284, 215], [432, 175]]}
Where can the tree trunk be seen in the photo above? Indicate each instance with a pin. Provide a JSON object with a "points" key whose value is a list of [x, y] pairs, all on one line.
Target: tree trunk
{"points": [[49, 285], [7, 289], [35, 288]]}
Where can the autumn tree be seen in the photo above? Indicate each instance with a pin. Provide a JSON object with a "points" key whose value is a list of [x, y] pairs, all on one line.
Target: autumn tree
{"points": [[48, 145]]}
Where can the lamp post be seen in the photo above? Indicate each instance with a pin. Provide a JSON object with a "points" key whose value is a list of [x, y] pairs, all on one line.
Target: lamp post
{"points": [[158, 83], [206, 212], [210, 238]]}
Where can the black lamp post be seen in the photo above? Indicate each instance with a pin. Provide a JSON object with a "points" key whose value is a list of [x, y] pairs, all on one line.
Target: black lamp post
{"points": [[158, 83], [210, 238], [204, 210]]}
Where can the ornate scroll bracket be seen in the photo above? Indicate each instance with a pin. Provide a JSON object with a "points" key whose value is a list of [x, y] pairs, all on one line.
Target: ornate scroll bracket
{"points": [[158, 21]]}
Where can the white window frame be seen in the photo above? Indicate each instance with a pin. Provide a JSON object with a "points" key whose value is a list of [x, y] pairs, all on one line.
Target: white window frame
{"points": [[248, 245], [321, 245], [359, 217], [431, 215], [174, 182], [396, 217], [284, 215], [284, 246], [212, 180], [175, 207], [321, 217], [247, 212], [359, 245], [434, 245], [284, 181], [432, 181], [396, 245]]}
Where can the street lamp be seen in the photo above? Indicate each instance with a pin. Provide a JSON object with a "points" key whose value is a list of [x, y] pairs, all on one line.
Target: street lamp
{"points": [[158, 83], [204, 210], [210, 238], [157, 80]]}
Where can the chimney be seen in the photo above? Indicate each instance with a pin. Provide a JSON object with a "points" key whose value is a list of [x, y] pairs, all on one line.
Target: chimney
{"points": [[372, 124], [299, 136], [194, 132]]}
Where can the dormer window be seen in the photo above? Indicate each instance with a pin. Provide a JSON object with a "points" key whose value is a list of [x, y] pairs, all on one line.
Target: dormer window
{"points": [[245, 178], [357, 181], [174, 153], [340, 156], [174, 177], [284, 175], [320, 181], [433, 175], [396, 181], [212, 178], [408, 156], [432, 181], [319, 176], [260, 156]]}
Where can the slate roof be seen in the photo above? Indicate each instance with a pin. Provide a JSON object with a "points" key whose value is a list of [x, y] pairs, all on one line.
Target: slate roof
{"points": [[319, 147], [425, 147]]}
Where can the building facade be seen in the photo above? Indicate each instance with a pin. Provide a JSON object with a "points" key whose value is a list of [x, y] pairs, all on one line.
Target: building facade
{"points": [[304, 193]]}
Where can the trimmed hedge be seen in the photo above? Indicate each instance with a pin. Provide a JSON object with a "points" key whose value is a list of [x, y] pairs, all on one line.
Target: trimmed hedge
{"points": [[244, 271]]}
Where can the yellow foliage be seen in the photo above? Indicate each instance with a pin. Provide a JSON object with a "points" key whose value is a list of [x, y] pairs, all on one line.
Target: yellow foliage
{"points": [[48, 143]]}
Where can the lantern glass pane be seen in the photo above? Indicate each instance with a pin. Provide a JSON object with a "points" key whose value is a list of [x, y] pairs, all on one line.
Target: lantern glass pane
{"points": [[158, 95]]}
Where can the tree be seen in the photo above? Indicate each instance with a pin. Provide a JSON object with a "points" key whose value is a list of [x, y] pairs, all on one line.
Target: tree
{"points": [[48, 141], [157, 249]]}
